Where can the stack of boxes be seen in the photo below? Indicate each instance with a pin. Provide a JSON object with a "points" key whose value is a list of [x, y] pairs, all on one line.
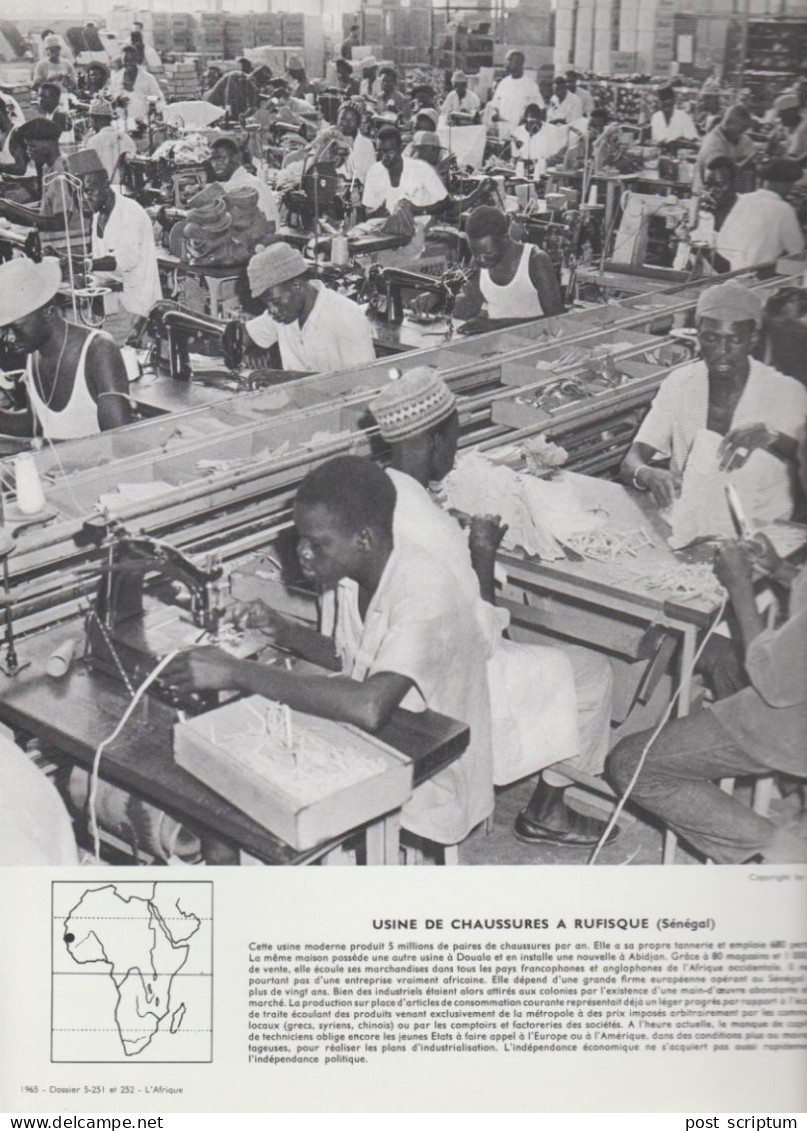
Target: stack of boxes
{"points": [[234, 37], [182, 38], [161, 29], [180, 81], [210, 35], [266, 29]]}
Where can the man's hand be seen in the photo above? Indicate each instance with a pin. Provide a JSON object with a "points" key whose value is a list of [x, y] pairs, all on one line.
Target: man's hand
{"points": [[202, 669], [485, 534], [425, 303], [662, 484], [762, 554], [257, 614], [734, 565], [739, 443]]}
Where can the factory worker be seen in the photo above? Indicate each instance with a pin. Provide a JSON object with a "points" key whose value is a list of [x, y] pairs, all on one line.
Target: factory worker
{"points": [[586, 100], [227, 164], [762, 225], [362, 151], [299, 83], [460, 100], [132, 87], [514, 94], [549, 704], [669, 123], [122, 244], [729, 138], [108, 140], [758, 411], [513, 280], [75, 379], [793, 126], [54, 67], [387, 94], [369, 79], [236, 92], [35, 827], [52, 105], [13, 153], [348, 86], [756, 732], [400, 632], [394, 178], [534, 140], [58, 205], [564, 106], [315, 329]]}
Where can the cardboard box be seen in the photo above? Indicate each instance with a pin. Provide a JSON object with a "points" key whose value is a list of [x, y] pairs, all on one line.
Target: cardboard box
{"points": [[252, 784]]}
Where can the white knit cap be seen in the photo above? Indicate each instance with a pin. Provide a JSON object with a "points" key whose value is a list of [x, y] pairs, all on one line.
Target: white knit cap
{"points": [[25, 286]]}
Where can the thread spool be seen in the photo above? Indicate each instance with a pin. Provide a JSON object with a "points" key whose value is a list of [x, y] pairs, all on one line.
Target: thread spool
{"points": [[339, 250], [59, 661], [30, 496]]}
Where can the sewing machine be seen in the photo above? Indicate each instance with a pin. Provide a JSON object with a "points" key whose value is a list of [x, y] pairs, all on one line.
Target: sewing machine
{"points": [[181, 329], [130, 625], [384, 286]]}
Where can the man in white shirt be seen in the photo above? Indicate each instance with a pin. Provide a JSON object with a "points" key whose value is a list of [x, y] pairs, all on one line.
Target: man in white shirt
{"points": [[762, 226], [586, 99], [132, 87], [396, 630], [122, 245], [109, 141], [549, 704], [394, 178], [668, 123], [534, 140], [564, 106], [315, 329], [362, 151], [54, 67], [459, 100], [759, 412], [226, 162], [514, 93]]}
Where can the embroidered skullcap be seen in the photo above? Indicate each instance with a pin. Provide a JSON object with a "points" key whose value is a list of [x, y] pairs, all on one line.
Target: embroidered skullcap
{"points": [[425, 137], [25, 286], [413, 404], [83, 162], [52, 41], [459, 76], [295, 63], [277, 264], [39, 129], [101, 108], [729, 302], [786, 102]]}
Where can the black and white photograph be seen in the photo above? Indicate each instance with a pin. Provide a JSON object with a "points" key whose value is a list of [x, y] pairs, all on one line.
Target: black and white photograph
{"points": [[403, 463]]}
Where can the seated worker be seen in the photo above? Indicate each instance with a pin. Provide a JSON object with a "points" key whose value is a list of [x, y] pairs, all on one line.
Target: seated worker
{"points": [[109, 141], [586, 100], [227, 164], [564, 105], [727, 139], [513, 281], [50, 106], [235, 91], [75, 379], [96, 77], [132, 87], [792, 128], [35, 827], [394, 178], [669, 123], [513, 95], [13, 153], [756, 732], [717, 200], [402, 632], [534, 140], [54, 67], [762, 226], [362, 151], [460, 100], [597, 139], [541, 697], [369, 77], [387, 95], [123, 244], [300, 85], [344, 78], [58, 206], [757, 410], [315, 329]]}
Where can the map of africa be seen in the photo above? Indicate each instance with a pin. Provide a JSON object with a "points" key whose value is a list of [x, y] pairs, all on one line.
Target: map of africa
{"points": [[132, 975]]}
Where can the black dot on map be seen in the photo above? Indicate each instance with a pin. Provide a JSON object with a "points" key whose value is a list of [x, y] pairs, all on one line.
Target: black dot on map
{"points": [[69, 938]]}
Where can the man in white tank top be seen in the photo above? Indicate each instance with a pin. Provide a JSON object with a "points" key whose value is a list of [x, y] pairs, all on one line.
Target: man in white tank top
{"points": [[75, 379], [513, 281]]}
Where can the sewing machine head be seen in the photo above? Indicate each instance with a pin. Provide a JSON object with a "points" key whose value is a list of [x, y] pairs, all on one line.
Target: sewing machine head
{"points": [[140, 613], [182, 329]]}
